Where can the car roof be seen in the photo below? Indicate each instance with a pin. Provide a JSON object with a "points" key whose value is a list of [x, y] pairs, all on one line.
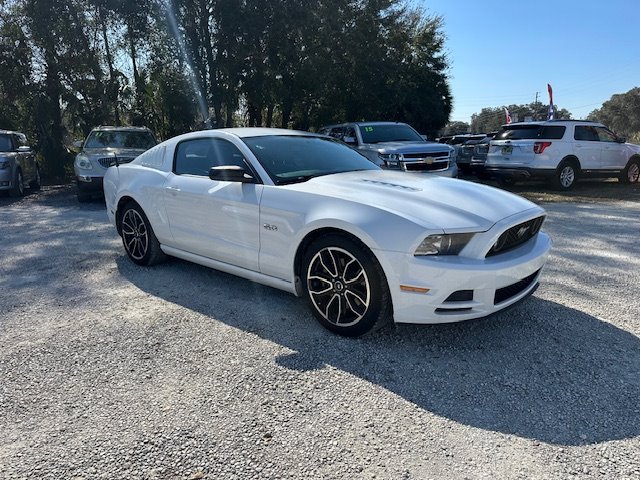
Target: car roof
{"points": [[550, 122], [363, 124], [245, 132], [7, 132], [111, 128]]}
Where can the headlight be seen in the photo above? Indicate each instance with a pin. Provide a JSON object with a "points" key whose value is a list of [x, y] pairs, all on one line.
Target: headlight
{"points": [[83, 162], [443, 244], [4, 164], [390, 158]]}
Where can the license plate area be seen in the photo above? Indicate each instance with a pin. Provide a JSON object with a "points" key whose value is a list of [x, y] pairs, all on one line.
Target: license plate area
{"points": [[507, 150]]}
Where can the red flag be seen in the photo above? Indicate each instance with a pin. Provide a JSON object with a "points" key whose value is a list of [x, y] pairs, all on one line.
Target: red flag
{"points": [[507, 115]]}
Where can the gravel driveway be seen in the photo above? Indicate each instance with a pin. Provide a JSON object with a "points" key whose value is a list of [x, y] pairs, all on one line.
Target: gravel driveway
{"points": [[109, 370]]}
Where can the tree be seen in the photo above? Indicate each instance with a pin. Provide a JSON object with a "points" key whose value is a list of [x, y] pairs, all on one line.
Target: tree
{"points": [[491, 119], [621, 113]]}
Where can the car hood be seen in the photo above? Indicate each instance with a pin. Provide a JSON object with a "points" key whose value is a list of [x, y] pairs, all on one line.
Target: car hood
{"points": [[432, 202], [407, 147], [110, 151]]}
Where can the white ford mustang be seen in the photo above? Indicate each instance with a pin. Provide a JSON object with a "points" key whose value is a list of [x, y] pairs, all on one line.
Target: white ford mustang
{"points": [[307, 214]]}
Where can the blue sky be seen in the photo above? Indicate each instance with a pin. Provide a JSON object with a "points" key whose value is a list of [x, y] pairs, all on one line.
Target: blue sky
{"points": [[503, 52]]}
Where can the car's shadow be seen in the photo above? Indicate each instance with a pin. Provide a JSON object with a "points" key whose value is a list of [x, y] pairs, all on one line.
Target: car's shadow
{"points": [[541, 371]]}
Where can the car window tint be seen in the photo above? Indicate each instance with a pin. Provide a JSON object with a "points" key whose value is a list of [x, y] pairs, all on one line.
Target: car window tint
{"points": [[585, 133], [531, 132], [120, 139], [388, 133], [6, 145], [198, 156], [605, 135], [290, 158]]}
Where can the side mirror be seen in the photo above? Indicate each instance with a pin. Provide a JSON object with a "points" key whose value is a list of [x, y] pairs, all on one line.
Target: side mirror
{"points": [[24, 149], [350, 140], [77, 144], [424, 137], [621, 140], [231, 173]]}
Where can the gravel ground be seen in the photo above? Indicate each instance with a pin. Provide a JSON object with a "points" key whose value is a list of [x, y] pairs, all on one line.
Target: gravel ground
{"points": [[109, 370]]}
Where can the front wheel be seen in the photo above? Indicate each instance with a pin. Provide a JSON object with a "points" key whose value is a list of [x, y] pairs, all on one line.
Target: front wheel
{"points": [[138, 238], [345, 286], [18, 184], [631, 173], [566, 175]]}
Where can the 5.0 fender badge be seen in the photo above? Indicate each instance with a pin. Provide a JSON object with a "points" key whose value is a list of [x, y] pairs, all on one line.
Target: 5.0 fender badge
{"points": [[271, 228]]}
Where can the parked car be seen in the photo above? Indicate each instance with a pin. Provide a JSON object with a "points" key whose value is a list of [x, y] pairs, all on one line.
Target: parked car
{"points": [[479, 157], [396, 146], [102, 147], [561, 151], [465, 152], [307, 214], [18, 164]]}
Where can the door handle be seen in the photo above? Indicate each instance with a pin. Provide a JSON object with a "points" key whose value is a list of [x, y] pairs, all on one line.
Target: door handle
{"points": [[173, 190]]}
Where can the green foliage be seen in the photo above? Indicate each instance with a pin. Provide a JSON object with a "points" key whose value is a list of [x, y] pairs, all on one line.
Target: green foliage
{"points": [[621, 113], [69, 65], [455, 128], [492, 118]]}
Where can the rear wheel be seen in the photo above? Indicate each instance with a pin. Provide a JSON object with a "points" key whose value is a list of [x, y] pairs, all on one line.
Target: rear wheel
{"points": [[631, 173], [138, 238], [345, 286], [18, 184], [566, 175]]}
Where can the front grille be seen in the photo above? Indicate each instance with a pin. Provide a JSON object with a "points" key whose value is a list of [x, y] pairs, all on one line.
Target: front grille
{"points": [[505, 293], [516, 236], [424, 167], [106, 162], [423, 155]]}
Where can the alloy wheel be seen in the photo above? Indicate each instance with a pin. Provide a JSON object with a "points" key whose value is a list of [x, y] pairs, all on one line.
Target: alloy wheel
{"points": [[338, 286], [633, 173], [134, 234], [567, 176]]}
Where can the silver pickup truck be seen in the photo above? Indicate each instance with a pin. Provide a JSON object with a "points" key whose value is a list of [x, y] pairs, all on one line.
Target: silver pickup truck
{"points": [[395, 145], [18, 165]]}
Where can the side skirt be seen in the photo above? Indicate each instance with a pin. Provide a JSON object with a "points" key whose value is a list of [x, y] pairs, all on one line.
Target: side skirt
{"points": [[232, 269]]}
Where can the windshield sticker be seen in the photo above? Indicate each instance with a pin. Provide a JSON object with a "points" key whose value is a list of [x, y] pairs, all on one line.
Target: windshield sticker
{"points": [[368, 129]]}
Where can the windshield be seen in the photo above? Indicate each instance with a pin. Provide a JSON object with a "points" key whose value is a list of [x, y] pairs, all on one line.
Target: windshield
{"points": [[5, 143], [394, 132], [120, 139], [293, 159]]}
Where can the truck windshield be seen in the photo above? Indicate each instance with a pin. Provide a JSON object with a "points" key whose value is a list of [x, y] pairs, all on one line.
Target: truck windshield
{"points": [[395, 132]]}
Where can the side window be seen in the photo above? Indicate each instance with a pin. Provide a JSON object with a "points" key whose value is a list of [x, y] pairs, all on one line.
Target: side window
{"points": [[605, 135], [196, 157], [585, 133], [337, 132]]}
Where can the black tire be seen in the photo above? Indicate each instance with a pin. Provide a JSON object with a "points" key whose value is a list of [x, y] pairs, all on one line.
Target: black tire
{"points": [[350, 296], [18, 184], [631, 173], [37, 183], [138, 238], [566, 175], [83, 197]]}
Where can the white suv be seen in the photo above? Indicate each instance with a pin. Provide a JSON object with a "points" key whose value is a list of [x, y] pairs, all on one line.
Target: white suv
{"points": [[561, 151]]}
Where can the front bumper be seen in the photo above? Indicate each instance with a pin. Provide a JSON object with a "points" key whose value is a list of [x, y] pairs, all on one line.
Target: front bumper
{"points": [[6, 180], [88, 184], [481, 286]]}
